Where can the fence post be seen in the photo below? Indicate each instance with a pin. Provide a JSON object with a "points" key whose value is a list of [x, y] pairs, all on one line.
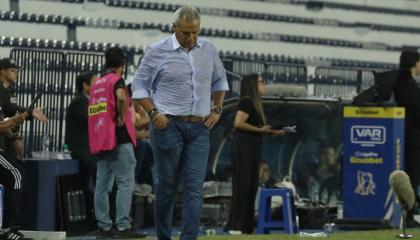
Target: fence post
{"points": [[228, 65], [359, 81]]}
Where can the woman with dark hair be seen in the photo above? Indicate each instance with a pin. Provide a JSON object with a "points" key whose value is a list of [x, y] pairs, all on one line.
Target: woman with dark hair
{"points": [[83, 82], [407, 95], [250, 125], [77, 137]]}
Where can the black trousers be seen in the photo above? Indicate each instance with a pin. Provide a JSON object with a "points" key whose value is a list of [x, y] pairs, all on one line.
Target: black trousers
{"points": [[246, 159], [87, 163], [11, 177], [412, 167]]}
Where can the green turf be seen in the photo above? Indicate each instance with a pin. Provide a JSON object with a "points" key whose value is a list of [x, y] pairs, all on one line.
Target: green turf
{"points": [[368, 235]]}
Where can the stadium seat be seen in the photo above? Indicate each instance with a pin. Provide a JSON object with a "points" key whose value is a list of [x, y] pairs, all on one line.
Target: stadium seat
{"points": [[166, 28], [107, 23]]}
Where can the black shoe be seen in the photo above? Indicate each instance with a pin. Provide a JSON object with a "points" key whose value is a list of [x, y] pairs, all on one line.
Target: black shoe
{"points": [[14, 234], [411, 223], [128, 233], [105, 234]]}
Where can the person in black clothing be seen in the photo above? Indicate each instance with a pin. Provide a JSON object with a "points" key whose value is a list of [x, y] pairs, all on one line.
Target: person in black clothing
{"points": [[77, 135], [407, 94], [11, 177], [8, 76], [250, 125], [11, 147]]}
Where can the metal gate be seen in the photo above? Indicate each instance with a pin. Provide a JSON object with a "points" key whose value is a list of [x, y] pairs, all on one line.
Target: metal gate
{"points": [[339, 82], [54, 74], [273, 72]]}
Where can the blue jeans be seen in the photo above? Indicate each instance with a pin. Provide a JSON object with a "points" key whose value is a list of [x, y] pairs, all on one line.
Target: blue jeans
{"points": [[181, 153], [119, 163], [144, 157]]}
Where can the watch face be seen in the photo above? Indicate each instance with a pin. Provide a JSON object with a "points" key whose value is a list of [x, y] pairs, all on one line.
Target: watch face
{"points": [[217, 110]]}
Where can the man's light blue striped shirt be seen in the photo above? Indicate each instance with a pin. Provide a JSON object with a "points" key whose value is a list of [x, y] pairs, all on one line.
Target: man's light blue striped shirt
{"points": [[180, 82]]}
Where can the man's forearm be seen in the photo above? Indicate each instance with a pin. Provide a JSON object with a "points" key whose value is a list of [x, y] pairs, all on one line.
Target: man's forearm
{"points": [[121, 108], [6, 126], [218, 98], [145, 103]]}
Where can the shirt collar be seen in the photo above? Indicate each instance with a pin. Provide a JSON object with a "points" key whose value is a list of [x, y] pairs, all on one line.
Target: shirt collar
{"points": [[176, 45]]}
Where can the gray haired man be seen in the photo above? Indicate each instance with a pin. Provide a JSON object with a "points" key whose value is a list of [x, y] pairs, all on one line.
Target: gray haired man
{"points": [[181, 83]]}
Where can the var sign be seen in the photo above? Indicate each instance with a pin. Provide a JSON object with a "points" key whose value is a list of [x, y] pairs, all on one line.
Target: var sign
{"points": [[368, 135]]}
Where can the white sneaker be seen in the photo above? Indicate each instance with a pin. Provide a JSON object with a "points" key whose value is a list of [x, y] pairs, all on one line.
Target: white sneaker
{"points": [[235, 232], [142, 189]]}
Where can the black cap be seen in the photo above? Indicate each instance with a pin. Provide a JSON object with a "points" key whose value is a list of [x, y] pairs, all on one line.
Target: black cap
{"points": [[408, 59], [7, 63]]}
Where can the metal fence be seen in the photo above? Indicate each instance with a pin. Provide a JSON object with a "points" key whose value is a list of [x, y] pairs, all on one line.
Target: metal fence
{"points": [[54, 74], [273, 72], [341, 81]]}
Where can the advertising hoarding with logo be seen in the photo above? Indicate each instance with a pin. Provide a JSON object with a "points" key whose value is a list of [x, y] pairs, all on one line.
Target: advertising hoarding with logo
{"points": [[373, 148]]}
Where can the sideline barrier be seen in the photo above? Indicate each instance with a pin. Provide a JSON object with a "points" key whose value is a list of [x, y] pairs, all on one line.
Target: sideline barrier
{"points": [[373, 149]]}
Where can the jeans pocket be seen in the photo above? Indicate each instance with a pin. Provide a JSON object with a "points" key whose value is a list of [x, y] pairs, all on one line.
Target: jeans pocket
{"points": [[166, 138], [163, 129], [205, 126]]}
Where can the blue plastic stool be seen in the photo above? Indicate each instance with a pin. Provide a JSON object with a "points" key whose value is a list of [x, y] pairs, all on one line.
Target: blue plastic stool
{"points": [[264, 211]]}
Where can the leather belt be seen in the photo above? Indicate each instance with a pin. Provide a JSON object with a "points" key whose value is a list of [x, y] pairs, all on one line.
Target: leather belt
{"points": [[188, 118]]}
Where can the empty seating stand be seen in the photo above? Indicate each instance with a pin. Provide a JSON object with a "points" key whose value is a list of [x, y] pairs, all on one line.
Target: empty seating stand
{"points": [[350, 7], [266, 36], [73, 22]]}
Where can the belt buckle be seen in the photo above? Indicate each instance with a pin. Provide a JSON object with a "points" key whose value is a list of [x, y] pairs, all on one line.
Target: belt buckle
{"points": [[188, 118], [191, 119], [199, 119]]}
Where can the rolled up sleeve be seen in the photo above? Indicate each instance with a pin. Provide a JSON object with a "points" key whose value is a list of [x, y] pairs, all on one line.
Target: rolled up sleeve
{"points": [[145, 74], [219, 79]]}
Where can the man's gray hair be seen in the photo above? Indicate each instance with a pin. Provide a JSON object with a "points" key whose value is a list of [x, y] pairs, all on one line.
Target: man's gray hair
{"points": [[186, 13]]}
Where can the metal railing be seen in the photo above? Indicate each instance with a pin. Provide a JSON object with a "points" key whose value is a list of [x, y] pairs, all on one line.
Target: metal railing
{"points": [[54, 73]]}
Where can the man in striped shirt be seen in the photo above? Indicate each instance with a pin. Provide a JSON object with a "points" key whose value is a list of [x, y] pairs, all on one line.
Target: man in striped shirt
{"points": [[181, 83]]}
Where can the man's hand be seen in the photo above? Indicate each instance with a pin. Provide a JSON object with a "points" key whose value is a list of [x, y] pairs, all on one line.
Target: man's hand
{"points": [[19, 118], [137, 106], [211, 119], [161, 121], [120, 121], [39, 114]]}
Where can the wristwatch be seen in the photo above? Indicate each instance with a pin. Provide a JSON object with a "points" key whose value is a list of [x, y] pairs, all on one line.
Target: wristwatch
{"points": [[153, 114], [217, 109]]}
